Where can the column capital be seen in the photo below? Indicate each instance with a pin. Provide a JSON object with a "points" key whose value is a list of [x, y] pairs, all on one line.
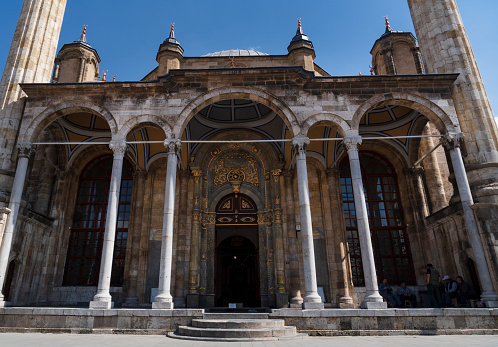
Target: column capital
{"points": [[275, 173], [173, 146], [352, 142], [300, 142], [451, 141], [118, 147], [416, 171], [197, 175], [26, 149], [333, 172]]}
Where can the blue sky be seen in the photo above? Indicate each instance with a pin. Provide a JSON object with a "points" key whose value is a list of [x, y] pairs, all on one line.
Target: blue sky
{"points": [[127, 33]]}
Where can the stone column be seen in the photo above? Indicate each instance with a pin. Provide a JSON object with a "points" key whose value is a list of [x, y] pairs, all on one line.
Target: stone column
{"points": [[164, 300], [372, 296], [103, 297], [281, 295], [339, 229], [292, 241], [132, 267], [25, 151], [311, 297], [451, 143], [193, 283]]}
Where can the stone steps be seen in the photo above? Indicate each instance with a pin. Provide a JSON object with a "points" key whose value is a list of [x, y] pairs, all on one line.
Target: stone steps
{"points": [[237, 327]]}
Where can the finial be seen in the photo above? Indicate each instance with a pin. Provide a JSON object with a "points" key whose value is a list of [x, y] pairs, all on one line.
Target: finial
{"points": [[387, 22], [299, 22], [104, 73], [172, 27], [84, 29], [359, 73], [371, 70], [114, 78]]}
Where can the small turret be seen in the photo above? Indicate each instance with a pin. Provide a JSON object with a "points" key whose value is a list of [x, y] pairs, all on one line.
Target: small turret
{"points": [[170, 54], [301, 50], [76, 62], [396, 53]]}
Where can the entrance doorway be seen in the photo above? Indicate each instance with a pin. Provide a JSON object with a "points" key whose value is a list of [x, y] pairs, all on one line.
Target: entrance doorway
{"points": [[237, 256], [237, 272]]}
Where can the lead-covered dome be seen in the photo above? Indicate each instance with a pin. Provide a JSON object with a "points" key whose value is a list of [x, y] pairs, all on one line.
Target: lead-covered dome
{"points": [[235, 53]]}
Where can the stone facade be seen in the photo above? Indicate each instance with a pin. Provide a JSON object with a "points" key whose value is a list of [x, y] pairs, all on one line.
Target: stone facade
{"points": [[277, 131]]}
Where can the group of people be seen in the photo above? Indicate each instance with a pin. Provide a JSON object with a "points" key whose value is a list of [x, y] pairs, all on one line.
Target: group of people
{"points": [[458, 289], [402, 294], [438, 296]]}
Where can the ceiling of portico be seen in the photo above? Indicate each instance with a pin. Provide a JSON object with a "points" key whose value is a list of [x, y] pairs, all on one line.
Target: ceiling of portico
{"points": [[223, 116]]}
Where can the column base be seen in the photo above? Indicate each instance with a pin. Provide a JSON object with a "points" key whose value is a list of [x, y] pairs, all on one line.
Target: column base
{"points": [[282, 300], [491, 303], [162, 305], [106, 305], [313, 305], [372, 305], [192, 300], [4, 304]]}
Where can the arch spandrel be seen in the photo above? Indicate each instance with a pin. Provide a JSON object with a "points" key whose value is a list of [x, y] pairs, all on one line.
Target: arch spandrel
{"points": [[433, 112], [32, 129], [137, 122], [221, 94], [329, 119]]}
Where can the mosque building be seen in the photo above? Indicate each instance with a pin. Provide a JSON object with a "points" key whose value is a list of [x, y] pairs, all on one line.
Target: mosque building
{"points": [[244, 177]]}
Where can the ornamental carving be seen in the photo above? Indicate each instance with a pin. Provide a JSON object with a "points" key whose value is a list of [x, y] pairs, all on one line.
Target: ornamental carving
{"points": [[236, 168]]}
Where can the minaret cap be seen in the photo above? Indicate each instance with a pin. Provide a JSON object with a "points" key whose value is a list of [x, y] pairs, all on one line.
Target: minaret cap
{"points": [[300, 37], [83, 35], [171, 41]]}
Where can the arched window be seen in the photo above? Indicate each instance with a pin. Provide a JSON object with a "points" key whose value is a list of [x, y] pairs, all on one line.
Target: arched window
{"points": [[389, 238], [87, 233]]}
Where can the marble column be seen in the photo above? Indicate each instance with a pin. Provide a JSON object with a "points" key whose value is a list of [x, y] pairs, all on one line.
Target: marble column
{"points": [[193, 283], [103, 300], [311, 298], [372, 297], [164, 300], [25, 151], [452, 144]]}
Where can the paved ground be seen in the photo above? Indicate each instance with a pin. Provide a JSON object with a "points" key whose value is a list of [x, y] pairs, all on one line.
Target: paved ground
{"points": [[74, 340]]}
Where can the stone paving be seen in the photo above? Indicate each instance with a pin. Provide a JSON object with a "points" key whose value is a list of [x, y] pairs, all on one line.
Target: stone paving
{"points": [[73, 340]]}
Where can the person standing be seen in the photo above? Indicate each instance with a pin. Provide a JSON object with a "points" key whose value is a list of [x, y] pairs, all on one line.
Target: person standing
{"points": [[433, 281]]}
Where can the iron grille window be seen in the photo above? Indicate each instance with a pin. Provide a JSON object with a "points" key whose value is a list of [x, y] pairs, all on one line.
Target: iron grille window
{"points": [[86, 239], [388, 231]]}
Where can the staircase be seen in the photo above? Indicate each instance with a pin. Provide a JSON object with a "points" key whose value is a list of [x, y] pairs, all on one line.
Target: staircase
{"points": [[237, 327]]}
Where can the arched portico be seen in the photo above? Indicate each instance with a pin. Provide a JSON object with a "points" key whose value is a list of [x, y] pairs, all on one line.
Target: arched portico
{"points": [[221, 94], [436, 114], [31, 130]]}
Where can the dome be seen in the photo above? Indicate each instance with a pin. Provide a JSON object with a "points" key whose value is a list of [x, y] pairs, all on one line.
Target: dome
{"points": [[235, 53]]}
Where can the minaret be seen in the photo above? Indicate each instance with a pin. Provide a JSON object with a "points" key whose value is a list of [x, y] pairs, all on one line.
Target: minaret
{"points": [[396, 53], [76, 62], [301, 50], [30, 60], [446, 49], [170, 54]]}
